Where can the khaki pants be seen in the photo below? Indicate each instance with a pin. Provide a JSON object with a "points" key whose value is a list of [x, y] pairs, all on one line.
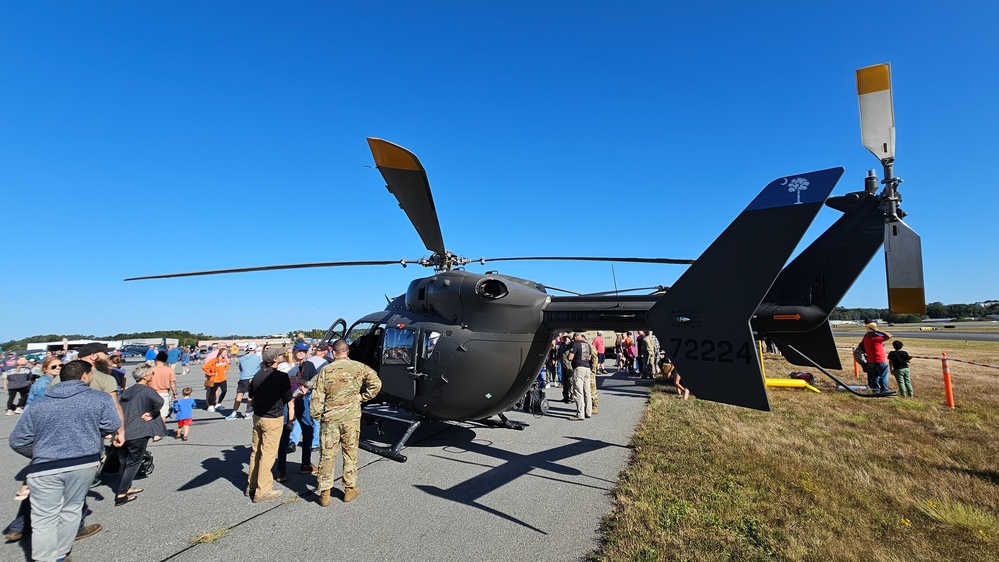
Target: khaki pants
{"points": [[581, 392], [266, 438]]}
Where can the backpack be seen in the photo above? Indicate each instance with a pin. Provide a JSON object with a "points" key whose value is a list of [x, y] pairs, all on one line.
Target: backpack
{"points": [[860, 356]]}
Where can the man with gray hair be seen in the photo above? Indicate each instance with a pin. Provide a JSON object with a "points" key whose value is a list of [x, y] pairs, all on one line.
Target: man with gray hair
{"points": [[63, 435]]}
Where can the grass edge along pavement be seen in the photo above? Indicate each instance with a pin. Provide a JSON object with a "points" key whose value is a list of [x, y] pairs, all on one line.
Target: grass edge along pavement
{"points": [[821, 477]]}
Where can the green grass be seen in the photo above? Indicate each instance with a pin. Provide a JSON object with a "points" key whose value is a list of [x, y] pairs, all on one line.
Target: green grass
{"points": [[821, 477]]}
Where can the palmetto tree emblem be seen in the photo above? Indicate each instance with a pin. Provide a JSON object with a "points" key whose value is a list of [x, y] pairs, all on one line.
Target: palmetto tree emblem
{"points": [[797, 185]]}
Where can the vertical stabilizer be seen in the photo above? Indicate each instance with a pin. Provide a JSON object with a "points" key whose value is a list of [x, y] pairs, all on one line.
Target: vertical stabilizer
{"points": [[703, 321]]}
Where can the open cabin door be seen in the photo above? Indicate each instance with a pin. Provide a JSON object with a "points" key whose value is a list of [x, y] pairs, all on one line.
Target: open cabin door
{"points": [[338, 330]]}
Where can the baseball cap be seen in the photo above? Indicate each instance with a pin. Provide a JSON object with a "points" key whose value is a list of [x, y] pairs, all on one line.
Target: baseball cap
{"points": [[272, 353], [92, 348], [251, 346], [301, 346]]}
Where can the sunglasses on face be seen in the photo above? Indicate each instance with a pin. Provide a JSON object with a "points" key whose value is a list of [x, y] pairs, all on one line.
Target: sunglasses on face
{"points": [[55, 366]]}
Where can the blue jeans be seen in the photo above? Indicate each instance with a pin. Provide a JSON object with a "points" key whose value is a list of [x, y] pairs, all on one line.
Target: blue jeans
{"points": [[878, 373], [56, 508]]}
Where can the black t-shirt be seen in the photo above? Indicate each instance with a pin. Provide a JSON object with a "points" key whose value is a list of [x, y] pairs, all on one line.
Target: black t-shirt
{"points": [[270, 390], [899, 359], [580, 354]]}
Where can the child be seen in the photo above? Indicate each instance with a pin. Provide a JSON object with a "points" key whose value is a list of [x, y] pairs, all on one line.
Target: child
{"points": [[900, 368], [184, 408], [673, 377]]}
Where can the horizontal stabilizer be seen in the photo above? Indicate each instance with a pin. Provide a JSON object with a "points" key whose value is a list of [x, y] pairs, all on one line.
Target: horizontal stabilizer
{"points": [[703, 321], [819, 345]]}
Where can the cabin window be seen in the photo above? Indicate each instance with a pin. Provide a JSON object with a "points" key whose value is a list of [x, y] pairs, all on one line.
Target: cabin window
{"points": [[430, 342], [397, 348]]}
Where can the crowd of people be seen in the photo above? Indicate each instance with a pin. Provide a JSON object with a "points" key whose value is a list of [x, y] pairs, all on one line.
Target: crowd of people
{"points": [[78, 414], [305, 398]]}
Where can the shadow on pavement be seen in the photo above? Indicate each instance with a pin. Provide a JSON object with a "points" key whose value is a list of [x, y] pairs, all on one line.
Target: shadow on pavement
{"points": [[229, 467]]}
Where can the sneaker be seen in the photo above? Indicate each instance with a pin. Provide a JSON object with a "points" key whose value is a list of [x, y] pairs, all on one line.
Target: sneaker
{"points": [[88, 530], [269, 496], [281, 477], [9, 413], [219, 409], [19, 411], [232, 416], [211, 408], [13, 536]]}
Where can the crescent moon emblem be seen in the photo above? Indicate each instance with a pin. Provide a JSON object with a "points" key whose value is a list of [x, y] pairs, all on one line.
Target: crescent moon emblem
{"points": [[784, 180]]}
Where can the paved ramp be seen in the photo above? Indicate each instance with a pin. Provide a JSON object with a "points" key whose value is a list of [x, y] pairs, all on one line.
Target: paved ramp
{"points": [[468, 492]]}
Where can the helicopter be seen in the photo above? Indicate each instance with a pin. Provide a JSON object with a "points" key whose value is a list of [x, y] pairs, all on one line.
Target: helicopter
{"points": [[460, 345]]}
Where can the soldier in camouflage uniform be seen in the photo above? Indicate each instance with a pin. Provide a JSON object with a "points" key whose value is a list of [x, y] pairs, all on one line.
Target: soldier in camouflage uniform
{"points": [[336, 403]]}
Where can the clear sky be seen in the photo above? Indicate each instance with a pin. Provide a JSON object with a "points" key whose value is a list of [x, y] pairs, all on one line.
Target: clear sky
{"points": [[150, 137]]}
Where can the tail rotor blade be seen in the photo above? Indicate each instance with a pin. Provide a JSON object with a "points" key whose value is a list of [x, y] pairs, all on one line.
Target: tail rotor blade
{"points": [[877, 114], [904, 266]]}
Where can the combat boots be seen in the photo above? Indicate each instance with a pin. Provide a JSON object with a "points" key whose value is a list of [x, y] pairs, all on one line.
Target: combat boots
{"points": [[350, 494], [324, 498]]}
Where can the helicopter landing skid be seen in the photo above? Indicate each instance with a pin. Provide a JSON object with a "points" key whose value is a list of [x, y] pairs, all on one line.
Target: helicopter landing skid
{"points": [[504, 422], [380, 414]]}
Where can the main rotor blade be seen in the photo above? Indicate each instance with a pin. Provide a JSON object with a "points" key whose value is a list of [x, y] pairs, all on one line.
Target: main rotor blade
{"points": [[877, 114], [588, 258], [407, 180], [271, 268]]}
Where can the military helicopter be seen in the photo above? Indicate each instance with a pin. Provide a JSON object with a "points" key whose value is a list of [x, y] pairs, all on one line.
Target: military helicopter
{"points": [[459, 345]]}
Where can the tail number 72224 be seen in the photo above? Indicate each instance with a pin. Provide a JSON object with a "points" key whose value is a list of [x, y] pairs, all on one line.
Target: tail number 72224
{"points": [[722, 351]]}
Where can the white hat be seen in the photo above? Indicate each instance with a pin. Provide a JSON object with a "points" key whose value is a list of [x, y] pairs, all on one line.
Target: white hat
{"points": [[599, 333], [252, 346]]}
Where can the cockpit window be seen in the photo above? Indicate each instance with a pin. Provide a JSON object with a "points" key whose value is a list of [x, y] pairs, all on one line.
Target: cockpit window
{"points": [[398, 346]]}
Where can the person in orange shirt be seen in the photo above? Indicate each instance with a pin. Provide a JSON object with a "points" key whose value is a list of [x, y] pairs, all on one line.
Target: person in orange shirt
{"points": [[216, 370], [164, 382]]}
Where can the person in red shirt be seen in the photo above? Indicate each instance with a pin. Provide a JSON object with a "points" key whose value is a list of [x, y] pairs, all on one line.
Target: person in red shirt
{"points": [[598, 346], [877, 359]]}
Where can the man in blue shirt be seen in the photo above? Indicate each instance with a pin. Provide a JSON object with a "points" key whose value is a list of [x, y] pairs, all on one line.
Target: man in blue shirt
{"points": [[173, 357], [249, 364], [151, 355]]}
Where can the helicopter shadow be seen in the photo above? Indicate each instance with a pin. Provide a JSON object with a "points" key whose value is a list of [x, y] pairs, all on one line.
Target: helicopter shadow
{"points": [[229, 467], [514, 466]]}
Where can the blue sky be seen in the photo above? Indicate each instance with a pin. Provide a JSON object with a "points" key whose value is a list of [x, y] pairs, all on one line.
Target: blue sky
{"points": [[151, 137]]}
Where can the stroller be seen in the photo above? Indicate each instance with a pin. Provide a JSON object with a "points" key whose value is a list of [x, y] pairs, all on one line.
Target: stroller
{"points": [[110, 465]]}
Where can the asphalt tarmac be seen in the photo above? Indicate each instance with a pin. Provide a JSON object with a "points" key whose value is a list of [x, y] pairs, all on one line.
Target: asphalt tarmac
{"points": [[467, 492]]}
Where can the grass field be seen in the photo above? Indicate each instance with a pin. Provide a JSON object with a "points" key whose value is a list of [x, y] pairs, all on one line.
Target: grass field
{"points": [[822, 476]]}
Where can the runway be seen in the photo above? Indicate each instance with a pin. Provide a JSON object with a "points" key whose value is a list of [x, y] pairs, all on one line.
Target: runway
{"points": [[467, 492], [941, 334]]}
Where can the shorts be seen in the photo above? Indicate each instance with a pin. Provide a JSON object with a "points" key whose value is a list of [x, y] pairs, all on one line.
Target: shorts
{"points": [[243, 386], [184, 423]]}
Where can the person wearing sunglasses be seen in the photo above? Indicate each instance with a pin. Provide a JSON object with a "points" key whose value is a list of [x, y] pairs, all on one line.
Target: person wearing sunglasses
{"points": [[51, 368]]}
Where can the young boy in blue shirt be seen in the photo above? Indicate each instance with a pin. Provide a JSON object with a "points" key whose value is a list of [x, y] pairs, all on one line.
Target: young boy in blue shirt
{"points": [[184, 408]]}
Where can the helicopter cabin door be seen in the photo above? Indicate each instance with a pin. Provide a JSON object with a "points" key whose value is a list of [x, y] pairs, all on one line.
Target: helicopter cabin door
{"points": [[398, 370]]}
